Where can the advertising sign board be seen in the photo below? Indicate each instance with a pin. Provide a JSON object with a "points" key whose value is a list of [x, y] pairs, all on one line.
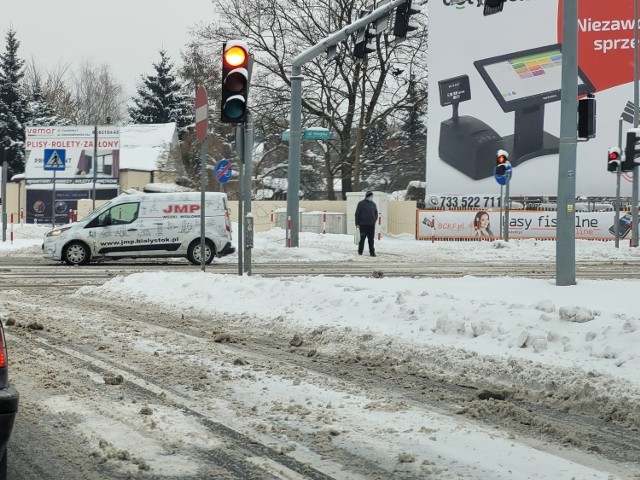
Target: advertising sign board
{"points": [[486, 224], [507, 68], [75, 146]]}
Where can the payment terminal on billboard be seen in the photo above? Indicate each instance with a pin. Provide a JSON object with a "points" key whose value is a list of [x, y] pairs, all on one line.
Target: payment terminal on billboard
{"points": [[523, 82], [466, 143]]}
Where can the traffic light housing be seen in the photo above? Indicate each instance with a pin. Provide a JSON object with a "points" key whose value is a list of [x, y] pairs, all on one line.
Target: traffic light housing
{"points": [[613, 159], [365, 39], [631, 150], [587, 117], [492, 6], [237, 64], [402, 23], [502, 163]]}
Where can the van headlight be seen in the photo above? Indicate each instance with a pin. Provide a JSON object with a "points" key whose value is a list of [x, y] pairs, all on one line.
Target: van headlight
{"points": [[56, 232]]}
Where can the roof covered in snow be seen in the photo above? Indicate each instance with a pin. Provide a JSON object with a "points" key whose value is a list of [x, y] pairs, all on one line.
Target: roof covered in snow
{"points": [[142, 146]]}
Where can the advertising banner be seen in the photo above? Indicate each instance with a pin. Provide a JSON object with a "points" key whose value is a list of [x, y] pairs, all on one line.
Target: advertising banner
{"points": [[45, 146], [495, 83], [487, 225], [41, 207]]}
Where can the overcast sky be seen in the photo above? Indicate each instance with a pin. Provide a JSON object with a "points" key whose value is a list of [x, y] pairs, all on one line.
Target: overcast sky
{"points": [[125, 34]]}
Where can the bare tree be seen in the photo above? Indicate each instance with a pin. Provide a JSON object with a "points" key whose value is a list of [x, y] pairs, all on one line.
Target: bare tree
{"points": [[345, 95], [97, 95], [54, 84], [87, 97]]}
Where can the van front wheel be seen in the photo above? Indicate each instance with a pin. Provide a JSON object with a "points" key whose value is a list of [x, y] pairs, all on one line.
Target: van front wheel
{"points": [[76, 253], [194, 254]]}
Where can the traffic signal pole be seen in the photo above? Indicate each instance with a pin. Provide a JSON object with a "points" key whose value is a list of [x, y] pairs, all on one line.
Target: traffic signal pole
{"points": [[507, 205], [636, 112], [565, 214], [502, 172], [616, 219], [295, 119], [240, 152], [247, 231]]}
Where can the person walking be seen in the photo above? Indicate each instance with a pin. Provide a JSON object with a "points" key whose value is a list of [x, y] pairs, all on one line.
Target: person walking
{"points": [[366, 218]]}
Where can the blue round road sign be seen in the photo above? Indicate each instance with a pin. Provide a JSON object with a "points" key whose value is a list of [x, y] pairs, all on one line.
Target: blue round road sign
{"points": [[223, 171], [502, 179]]}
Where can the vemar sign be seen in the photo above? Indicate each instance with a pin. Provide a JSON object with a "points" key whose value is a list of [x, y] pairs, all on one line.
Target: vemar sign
{"points": [[81, 161], [498, 86]]}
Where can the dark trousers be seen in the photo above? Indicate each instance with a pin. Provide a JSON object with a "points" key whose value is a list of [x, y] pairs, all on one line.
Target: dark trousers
{"points": [[367, 232]]}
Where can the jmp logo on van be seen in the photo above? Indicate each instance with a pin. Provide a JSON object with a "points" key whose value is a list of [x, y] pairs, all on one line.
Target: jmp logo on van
{"points": [[185, 208]]}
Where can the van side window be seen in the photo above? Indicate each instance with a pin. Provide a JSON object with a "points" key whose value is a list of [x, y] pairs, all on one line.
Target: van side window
{"points": [[124, 213], [103, 220]]}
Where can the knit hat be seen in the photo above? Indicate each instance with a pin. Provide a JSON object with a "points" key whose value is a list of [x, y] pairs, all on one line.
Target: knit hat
{"points": [[368, 194]]}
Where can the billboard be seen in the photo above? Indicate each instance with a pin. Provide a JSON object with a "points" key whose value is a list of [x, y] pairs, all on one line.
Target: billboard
{"points": [[495, 83], [46, 145], [522, 224]]}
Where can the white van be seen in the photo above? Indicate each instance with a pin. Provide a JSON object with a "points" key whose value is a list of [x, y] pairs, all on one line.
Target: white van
{"points": [[145, 225]]}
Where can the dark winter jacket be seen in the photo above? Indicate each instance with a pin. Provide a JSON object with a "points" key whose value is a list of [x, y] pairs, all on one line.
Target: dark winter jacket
{"points": [[366, 213]]}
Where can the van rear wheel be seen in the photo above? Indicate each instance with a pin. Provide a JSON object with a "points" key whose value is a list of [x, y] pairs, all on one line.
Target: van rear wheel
{"points": [[76, 253], [194, 254]]}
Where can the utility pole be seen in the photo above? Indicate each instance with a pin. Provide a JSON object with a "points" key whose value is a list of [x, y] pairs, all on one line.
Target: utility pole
{"points": [[565, 213], [636, 111], [95, 165], [295, 119]]}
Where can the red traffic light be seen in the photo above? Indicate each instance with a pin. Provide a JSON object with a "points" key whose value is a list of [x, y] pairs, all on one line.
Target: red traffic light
{"points": [[502, 157], [503, 166], [613, 159]]}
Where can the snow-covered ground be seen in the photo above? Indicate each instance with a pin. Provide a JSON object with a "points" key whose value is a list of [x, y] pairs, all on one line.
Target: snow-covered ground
{"points": [[589, 329]]}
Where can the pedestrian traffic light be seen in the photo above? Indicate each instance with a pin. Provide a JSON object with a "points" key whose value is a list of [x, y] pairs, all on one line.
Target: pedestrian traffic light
{"points": [[492, 6], [631, 150], [402, 23], [613, 159], [237, 64], [502, 163], [587, 117]]}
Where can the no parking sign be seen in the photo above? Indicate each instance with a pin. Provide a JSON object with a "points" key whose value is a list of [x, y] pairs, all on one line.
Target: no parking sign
{"points": [[223, 171]]}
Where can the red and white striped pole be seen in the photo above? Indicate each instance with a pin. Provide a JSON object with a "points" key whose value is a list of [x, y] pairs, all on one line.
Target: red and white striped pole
{"points": [[11, 232], [289, 231], [379, 227], [433, 229], [271, 218], [324, 222]]}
